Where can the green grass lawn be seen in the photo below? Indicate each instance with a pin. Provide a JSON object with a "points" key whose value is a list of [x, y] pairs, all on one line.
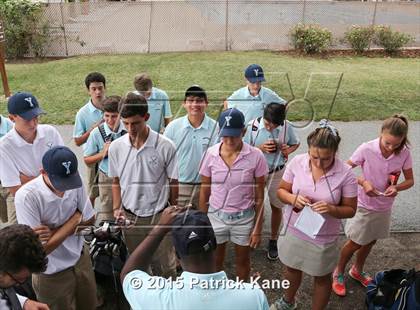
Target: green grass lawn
{"points": [[372, 88]]}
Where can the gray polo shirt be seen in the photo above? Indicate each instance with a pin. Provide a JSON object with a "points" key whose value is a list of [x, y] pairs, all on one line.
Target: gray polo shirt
{"points": [[144, 173]]}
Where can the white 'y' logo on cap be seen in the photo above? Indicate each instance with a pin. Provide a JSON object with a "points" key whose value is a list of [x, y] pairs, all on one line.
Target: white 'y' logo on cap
{"points": [[228, 118], [67, 164], [192, 235], [29, 99], [256, 72]]}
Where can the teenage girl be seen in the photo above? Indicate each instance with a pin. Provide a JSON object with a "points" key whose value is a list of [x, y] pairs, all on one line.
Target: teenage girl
{"points": [[232, 191], [327, 187], [382, 161]]}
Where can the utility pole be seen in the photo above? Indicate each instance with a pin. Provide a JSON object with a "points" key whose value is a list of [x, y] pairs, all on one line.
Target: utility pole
{"points": [[2, 61]]}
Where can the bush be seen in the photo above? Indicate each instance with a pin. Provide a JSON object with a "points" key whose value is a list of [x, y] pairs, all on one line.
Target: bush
{"points": [[310, 38], [25, 29], [359, 37], [391, 41]]}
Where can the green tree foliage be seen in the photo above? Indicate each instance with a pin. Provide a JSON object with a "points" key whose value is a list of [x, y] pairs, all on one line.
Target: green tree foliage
{"points": [[26, 30]]}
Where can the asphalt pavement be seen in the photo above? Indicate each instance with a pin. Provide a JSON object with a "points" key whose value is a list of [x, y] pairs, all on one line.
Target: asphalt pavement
{"points": [[406, 211], [401, 250]]}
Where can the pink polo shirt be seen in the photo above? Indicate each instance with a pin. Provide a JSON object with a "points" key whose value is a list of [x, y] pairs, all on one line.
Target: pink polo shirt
{"points": [[340, 178], [376, 169], [232, 189]]}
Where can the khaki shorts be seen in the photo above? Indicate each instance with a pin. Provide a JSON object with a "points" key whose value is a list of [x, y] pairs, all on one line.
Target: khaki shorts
{"points": [[236, 227], [105, 197], [273, 184], [164, 259], [367, 226], [7, 207], [70, 289], [189, 193], [11, 210], [3, 204], [92, 174]]}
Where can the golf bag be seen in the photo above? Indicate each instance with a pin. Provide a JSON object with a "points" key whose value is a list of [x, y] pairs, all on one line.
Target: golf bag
{"points": [[108, 253]]}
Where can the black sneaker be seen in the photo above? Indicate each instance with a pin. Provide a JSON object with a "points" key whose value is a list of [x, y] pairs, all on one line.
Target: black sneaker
{"points": [[272, 252]]}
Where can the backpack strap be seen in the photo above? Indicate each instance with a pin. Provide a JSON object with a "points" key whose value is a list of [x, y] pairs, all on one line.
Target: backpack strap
{"points": [[256, 123], [282, 134], [101, 128], [254, 129]]}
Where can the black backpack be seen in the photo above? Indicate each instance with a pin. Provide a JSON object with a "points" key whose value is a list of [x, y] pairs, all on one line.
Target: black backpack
{"points": [[395, 289]]}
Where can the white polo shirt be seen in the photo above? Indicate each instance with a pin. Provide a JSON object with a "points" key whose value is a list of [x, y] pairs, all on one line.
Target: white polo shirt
{"points": [[144, 173], [37, 205], [18, 156]]}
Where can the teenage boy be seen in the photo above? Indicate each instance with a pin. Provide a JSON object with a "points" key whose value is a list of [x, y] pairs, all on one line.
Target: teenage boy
{"points": [[144, 167], [5, 126], [96, 152], [157, 101], [87, 119], [252, 99], [276, 138], [192, 134], [21, 253], [22, 148], [57, 200]]}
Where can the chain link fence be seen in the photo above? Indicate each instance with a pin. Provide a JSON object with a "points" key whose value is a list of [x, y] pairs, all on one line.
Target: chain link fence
{"points": [[80, 28]]}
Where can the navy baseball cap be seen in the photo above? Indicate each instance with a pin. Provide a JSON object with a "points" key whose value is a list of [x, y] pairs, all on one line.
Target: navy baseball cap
{"points": [[231, 123], [60, 164], [254, 73], [25, 105], [192, 233]]}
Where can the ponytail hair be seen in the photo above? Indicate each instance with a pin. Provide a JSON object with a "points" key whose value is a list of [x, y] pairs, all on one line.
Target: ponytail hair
{"points": [[324, 137], [397, 126]]}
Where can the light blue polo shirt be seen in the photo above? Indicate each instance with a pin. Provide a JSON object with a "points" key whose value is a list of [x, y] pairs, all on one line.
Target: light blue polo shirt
{"points": [[158, 107], [253, 107], [95, 144], [85, 118], [5, 125], [191, 143], [280, 134], [192, 291]]}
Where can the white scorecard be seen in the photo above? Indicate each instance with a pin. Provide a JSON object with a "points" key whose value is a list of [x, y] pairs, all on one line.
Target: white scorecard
{"points": [[309, 222]]}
